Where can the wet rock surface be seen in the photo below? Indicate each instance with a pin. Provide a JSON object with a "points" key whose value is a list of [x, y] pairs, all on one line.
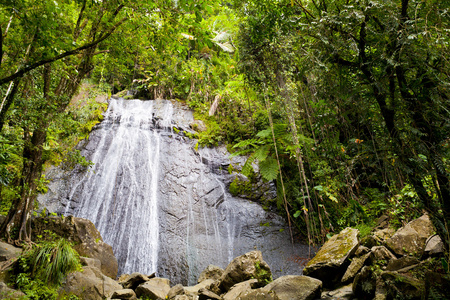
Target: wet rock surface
{"points": [[164, 206]]}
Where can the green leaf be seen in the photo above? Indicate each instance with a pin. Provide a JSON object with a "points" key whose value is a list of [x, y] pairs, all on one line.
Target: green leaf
{"points": [[269, 168]]}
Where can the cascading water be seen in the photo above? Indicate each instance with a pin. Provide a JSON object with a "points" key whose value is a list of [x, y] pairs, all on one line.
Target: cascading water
{"points": [[162, 205]]}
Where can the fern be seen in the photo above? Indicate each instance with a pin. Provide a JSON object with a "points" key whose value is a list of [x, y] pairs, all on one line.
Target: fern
{"points": [[269, 168], [262, 152]]}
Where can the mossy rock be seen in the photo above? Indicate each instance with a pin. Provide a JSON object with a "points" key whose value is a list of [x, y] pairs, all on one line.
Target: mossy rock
{"points": [[330, 263]]}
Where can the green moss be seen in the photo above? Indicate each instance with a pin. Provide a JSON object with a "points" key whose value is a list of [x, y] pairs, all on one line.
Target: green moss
{"points": [[240, 187], [262, 274]]}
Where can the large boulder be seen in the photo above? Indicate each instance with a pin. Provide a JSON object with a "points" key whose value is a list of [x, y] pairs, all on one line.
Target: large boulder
{"points": [[244, 267], [259, 294], [365, 284], [193, 290], [8, 251], [330, 262], [133, 281], [125, 294], [239, 289], [154, 289], [90, 284], [211, 272], [87, 239], [403, 287], [295, 287], [354, 267], [411, 239]]}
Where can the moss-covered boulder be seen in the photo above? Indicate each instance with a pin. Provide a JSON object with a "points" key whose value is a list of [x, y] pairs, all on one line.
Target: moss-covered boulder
{"points": [[245, 267], [331, 262], [399, 286]]}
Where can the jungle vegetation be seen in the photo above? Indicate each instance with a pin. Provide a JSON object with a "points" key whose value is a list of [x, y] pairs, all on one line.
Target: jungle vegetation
{"points": [[343, 103]]}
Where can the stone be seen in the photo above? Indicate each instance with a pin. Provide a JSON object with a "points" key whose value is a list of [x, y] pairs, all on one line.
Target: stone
{"points": [[182, 297], [239, 289], [402, 262], [134, 280], [380, 255], [410, 239], [90, 262], [87, 239], [371, 241], [211, 272], [259, 294], [90, 284], [329, 264], [155, 288], [403, 287], [362, 250], [175, 291], [205, 294], [384, 234], [343, 293], [193, 290], [8, 251], [295, 287], [124, 294], [244, 267], [365, 284], [9, 293], [354, 267], [434, 245]]}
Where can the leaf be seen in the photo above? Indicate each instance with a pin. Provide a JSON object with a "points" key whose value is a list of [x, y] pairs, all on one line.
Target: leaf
{"points": [[269, 168], [297, 214], [261, 153]]}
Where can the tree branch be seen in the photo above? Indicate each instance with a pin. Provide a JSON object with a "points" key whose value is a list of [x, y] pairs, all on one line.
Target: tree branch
{"points": [[33, 66]]}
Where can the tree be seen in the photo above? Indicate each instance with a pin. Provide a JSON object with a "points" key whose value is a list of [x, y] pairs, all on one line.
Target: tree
{"points": [[378, 71]]}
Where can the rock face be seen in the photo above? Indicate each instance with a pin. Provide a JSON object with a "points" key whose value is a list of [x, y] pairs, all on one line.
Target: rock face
{"points": [[247, 266], [329, 264], [410, 240], [90, 284], [295, 287], [87, 239], [163, 204]]}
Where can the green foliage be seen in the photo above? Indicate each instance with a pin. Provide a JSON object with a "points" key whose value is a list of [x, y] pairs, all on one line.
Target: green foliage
{"points": [[40, 271]]}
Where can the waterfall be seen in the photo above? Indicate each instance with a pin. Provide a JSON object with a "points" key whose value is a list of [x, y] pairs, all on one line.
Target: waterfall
{"points": [[163, 205]]}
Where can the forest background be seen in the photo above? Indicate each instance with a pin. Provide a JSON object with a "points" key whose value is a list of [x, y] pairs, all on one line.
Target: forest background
{"points": [[344, 104]]}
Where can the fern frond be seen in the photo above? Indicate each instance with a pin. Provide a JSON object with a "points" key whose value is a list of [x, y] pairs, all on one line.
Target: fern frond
{"points": [[269, 168]]}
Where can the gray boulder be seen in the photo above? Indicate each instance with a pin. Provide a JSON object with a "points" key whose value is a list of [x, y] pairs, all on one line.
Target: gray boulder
{"points": [[343, 293], [211, 272], [329, 264], [248, 266], [354, 267], [126, 294], [434, 245], [295, 287], [401, 263], [239, 289], [205, 294], [175, 291], [410, 239], [8, 251], [91, 284], [87, 239], [365, 284], [155, 288], [259, 294], [380, 255], [133, 281], [91, 262]]}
